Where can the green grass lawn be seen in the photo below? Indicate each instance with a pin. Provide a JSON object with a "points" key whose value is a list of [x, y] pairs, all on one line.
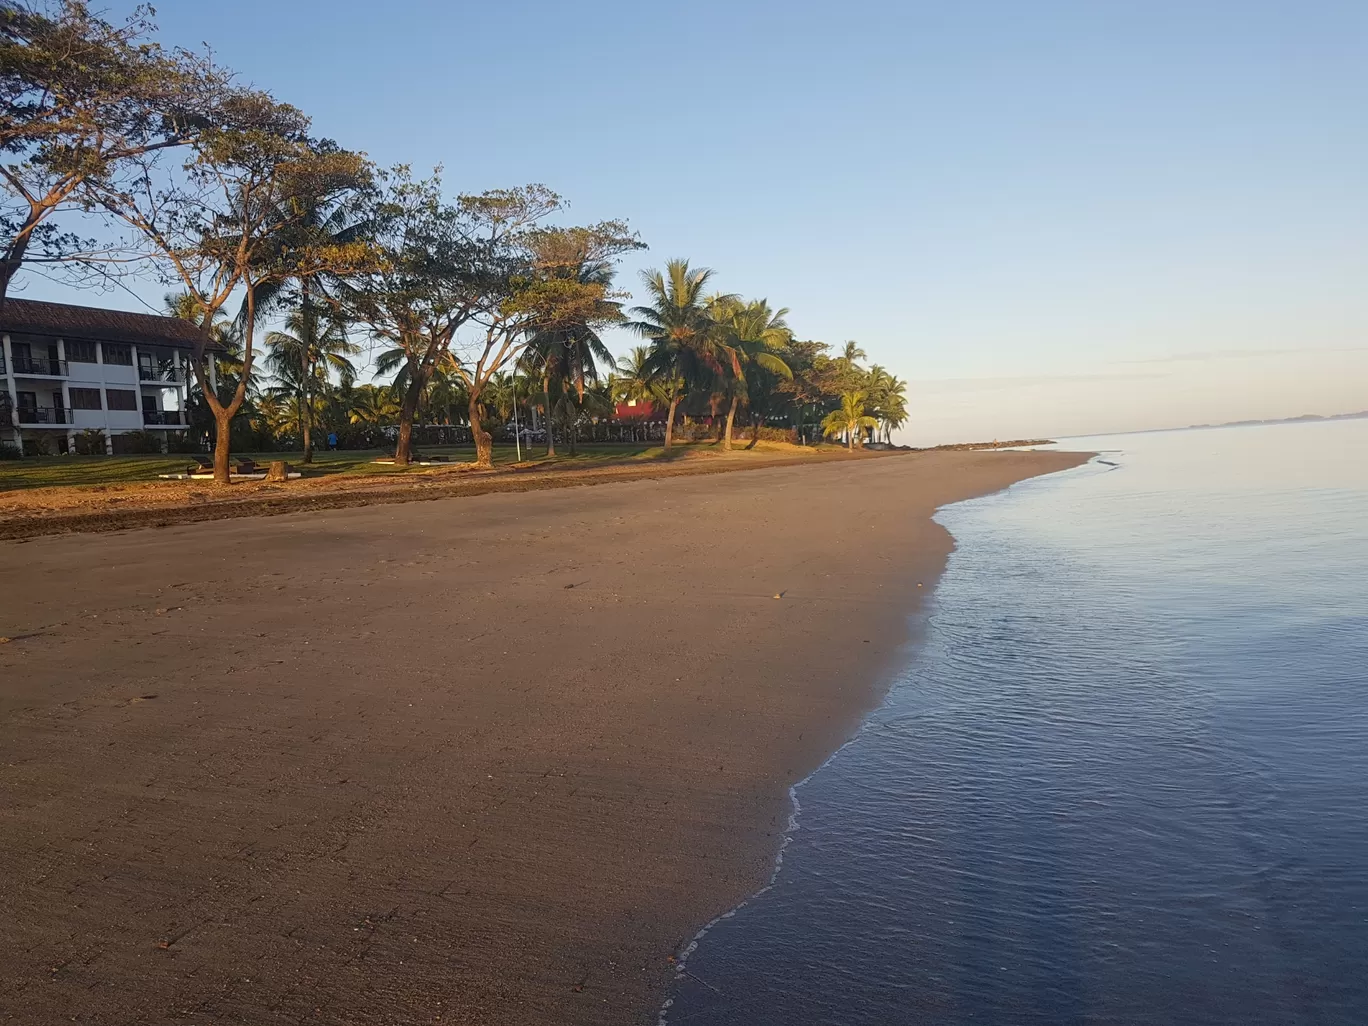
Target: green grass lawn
{"points": [[48, 471]]}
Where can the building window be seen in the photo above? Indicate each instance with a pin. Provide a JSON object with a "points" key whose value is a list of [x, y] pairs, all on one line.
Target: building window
{"points": [[85, 399], [81, 352], [122, 355], [121, 398]]}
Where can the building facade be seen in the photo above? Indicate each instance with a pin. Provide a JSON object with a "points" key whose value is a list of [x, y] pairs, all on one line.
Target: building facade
{"points": [[68, 371]]}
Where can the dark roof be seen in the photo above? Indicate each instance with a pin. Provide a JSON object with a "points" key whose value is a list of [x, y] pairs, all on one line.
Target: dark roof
{"points": [[61, 320]]}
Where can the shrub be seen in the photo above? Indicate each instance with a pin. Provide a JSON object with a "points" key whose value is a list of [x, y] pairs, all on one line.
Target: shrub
{"points": [[139, 443], [9, 451], [769, 434], [90, 442], [181, 442], [38, 445]]}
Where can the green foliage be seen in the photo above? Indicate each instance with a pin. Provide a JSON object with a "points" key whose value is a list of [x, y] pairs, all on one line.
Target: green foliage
{"points": [[139, 443], [850, 419], [9, 451], [90, 442], [87, 103]]}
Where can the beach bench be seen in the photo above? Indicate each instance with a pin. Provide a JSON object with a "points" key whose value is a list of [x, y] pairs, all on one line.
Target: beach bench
{"points": [[201, 464]]}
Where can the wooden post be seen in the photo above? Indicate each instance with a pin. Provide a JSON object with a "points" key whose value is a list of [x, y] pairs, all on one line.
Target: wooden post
{"points": [[276, 471]]}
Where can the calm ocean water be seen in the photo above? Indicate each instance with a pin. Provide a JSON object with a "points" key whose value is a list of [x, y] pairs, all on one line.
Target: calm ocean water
{"points": [[1124, 777]]}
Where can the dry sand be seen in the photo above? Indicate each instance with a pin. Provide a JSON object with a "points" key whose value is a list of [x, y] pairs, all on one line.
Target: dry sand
{"points": [[479, 760]]}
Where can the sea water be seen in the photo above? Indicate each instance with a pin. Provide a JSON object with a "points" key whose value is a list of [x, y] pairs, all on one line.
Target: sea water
{"points": [[1123, 778]]}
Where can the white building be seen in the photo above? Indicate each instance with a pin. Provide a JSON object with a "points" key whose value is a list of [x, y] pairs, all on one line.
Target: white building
{"points": [[67, 369]]}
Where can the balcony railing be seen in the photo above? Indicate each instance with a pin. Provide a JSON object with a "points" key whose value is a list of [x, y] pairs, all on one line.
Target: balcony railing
{"points": [[44, 415], [167, 418], [2, 363], [40, 365], [171, 375]]}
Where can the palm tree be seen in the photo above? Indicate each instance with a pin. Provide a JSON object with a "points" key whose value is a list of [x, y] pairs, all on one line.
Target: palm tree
{"points": [[322, 224], [636, 381], [887, 399], [632, 376], [373, 406], [303, 356], [682, 335], [850, 418], [851, 354], [751, 334]]}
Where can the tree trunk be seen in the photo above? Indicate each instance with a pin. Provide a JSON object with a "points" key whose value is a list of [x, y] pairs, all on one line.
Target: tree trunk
{"points": [[550, 435], [223, 426], [755, 432], [669, 422], [731, 419], [484, 444], [403, 447], [306, 359]]}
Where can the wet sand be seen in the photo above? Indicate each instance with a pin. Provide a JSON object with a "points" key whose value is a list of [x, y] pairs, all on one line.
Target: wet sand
{"points": [[478, 760]]}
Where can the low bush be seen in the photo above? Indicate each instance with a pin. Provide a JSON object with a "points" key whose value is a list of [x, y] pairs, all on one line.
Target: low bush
{"points": [[90, 442], [9, 451], [38, 445], [138, 443]]}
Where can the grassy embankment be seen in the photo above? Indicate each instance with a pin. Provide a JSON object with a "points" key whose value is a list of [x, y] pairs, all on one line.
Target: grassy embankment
{"points": [[77, 471]]}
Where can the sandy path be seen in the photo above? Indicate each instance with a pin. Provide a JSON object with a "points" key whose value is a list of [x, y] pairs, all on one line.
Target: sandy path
{"points": [[478, 760]]}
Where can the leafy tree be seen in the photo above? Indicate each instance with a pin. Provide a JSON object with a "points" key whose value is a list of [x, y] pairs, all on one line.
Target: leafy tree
{"points": [[216, 227], [850, 418], [84, 101], [448, 266], [547, 281]]}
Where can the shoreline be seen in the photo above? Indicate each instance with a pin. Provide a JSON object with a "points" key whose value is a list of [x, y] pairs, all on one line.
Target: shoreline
{"points": [[535, 742], [884, 686]]}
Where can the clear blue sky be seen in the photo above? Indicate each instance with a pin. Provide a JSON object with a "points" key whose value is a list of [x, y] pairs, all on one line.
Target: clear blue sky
{"points": [[1052, 217]]}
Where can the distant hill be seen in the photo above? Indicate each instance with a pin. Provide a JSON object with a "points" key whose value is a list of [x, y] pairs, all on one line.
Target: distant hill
{"points": [[1285, 420]]}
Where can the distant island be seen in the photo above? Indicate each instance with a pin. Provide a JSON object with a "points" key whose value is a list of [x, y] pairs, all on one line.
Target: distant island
{"points": [[1303, 419], [1285, 420]]}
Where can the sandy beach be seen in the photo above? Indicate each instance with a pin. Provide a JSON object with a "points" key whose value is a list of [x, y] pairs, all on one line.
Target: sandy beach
{"points": [[489, 759]]}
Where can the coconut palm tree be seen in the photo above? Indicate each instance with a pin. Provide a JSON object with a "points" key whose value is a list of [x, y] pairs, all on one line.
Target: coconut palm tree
{"points": [[682, 335], [751, 335], [850, 418], [374, 406], [852, 354], [636, 381], [887, 400], [303, 356]]}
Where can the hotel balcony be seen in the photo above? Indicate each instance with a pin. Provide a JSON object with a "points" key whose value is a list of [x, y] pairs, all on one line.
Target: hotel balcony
{"points": [[43, 415], [170, 375], [163, 418], [39, 366]]}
